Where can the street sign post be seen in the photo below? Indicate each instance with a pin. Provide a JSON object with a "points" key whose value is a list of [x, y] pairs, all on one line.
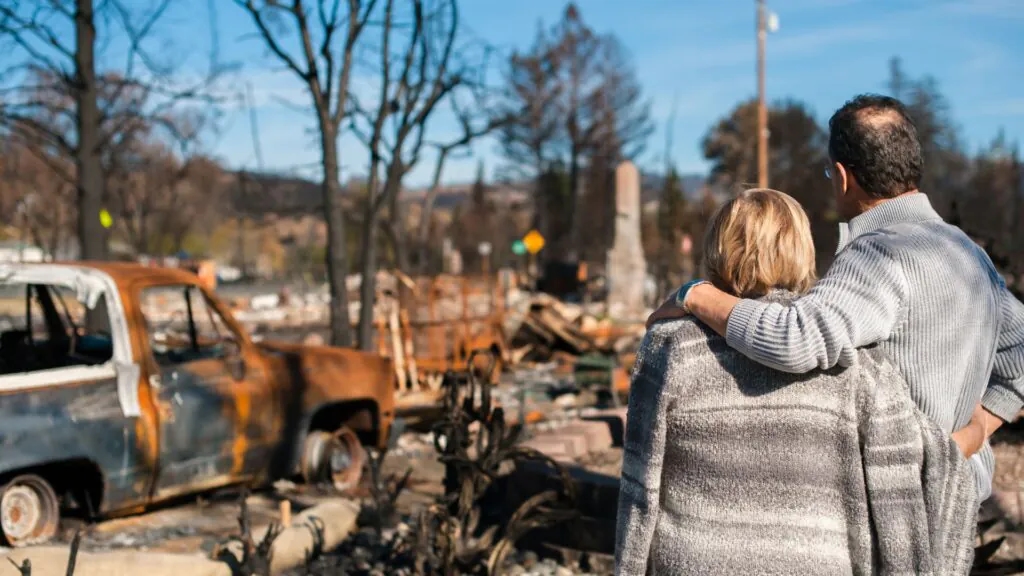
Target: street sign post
{"points": [[484, 249]]}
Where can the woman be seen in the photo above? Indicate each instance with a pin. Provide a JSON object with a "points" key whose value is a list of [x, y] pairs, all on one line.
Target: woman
{"points": [[732, 468]]}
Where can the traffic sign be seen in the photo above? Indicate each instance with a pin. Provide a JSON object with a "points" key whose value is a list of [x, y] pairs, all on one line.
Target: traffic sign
{"points": [[518, 248], [533, 241]]}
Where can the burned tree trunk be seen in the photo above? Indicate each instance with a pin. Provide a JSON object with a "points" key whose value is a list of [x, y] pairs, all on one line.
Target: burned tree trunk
{"points": [[92, 237], [325, 69], [337, 249], [368, 284]]}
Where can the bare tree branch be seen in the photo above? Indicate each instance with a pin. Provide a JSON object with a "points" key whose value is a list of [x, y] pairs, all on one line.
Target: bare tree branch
{"points": [[271, 40], [327, 85]]}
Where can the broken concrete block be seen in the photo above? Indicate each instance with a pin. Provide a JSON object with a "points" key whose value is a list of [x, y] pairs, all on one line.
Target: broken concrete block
{"points": [[596, 435]]}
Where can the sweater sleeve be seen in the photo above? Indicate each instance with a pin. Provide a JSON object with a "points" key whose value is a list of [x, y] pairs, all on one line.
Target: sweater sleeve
{"points": [[858, 302], [643, 454], [1005, 393]]}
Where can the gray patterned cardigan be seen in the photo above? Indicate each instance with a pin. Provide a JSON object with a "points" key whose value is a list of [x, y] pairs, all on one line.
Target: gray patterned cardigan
{"points": [[734, 468]]}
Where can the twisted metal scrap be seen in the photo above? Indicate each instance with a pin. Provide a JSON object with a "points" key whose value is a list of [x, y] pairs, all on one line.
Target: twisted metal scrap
{"points": [[468, 476], [255, 557], [384, 491]]}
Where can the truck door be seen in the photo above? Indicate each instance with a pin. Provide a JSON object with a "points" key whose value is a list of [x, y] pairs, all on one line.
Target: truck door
{"points": [[195, 387]]}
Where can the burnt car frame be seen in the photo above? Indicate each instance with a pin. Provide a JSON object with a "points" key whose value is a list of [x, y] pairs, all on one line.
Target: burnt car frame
{"points": [[155, 391]]}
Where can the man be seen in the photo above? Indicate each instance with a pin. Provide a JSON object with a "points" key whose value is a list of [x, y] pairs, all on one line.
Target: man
{"points": [[903, 279]]}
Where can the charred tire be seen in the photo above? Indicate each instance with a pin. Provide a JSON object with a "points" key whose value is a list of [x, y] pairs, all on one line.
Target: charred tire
{"points": [[337, 458], [29, 511]]}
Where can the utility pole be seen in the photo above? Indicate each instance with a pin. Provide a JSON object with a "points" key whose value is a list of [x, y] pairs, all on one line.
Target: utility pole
{"points": [[245, 180], [762, 106]]}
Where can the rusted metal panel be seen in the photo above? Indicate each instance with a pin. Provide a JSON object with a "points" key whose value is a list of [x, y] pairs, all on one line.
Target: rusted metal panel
{"points": [[80, 423], [439, 330], [322, 375]]}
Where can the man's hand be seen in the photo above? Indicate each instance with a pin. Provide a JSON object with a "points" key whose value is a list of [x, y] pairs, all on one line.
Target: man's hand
{"points": [[972, 437], [667, 311], [709, 304]]}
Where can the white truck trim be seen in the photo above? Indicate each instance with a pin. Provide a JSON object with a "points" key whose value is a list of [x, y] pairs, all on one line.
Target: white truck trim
{"points": [[89, 286]]}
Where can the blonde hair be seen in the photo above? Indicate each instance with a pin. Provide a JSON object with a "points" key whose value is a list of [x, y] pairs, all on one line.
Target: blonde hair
{"points": [[757, 241]]}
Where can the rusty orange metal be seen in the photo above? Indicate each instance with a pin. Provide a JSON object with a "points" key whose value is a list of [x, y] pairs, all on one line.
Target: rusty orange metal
{"points": [[432, 341]]}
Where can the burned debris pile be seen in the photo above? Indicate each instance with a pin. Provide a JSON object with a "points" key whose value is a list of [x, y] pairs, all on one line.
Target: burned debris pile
{"points": [[551, 329], [575, 345], [458, 533]]}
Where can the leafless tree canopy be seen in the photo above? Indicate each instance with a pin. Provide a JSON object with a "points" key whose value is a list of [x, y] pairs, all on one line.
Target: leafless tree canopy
{"points": [[576, 103], [421, 63], [74, 113], [316, 41]]}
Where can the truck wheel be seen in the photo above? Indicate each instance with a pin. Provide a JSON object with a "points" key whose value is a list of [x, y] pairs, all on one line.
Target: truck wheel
{"points": [[29, 511], [336, 457]]}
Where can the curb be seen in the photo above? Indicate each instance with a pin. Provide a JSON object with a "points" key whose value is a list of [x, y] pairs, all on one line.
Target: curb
{"points": [[315, 530]]}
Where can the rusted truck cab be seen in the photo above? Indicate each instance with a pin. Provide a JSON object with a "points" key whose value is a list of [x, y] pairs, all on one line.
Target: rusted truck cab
{"points": [[123, 385]]}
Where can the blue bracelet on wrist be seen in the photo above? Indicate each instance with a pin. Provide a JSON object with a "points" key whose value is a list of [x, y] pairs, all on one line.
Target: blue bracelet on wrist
{"points": [[684, 290]]}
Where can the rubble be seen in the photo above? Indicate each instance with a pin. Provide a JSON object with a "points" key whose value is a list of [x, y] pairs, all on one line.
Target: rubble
{"points": [[457, 531], [428, 326]]}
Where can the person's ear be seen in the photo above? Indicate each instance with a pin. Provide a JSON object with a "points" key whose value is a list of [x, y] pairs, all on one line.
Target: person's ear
{"points": [[842, 177]]}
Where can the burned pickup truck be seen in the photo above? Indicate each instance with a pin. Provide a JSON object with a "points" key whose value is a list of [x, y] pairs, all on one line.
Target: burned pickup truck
{"points": [[122, 386]]}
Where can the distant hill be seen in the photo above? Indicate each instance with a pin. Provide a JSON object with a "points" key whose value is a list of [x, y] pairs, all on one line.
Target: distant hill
{"points": [[450, 196], [653, 184], [257, 194]]}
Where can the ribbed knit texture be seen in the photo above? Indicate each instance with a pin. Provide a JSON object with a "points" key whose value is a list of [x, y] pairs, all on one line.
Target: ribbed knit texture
{"points": [[733, 468], [923, 291]]}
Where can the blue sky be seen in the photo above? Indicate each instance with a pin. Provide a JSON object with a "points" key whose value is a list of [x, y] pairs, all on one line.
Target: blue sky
{"points": [[700, 52]]}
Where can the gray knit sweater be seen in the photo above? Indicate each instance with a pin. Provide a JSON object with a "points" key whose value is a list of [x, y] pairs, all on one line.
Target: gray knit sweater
{"points": [[923, 291], [733, 468]]}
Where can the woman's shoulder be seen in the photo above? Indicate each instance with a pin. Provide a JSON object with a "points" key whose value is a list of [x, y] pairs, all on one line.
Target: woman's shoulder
{"points": [[671, 349], [678, 340], [679, 332]]}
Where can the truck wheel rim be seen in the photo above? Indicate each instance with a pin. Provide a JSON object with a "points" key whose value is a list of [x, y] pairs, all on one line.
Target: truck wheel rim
{"points": [[21, 510], [29, 511], [346, 460], [313, 467]]}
